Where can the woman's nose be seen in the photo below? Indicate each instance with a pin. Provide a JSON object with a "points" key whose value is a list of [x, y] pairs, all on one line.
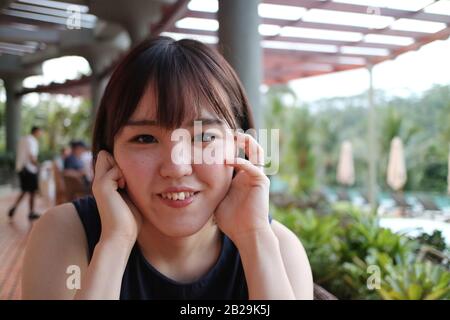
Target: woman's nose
{"points": [[176, 161]]}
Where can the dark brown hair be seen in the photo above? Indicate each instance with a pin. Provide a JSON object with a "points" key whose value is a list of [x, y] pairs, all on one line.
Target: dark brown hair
{"points": [[34, 129], [184, 75]]}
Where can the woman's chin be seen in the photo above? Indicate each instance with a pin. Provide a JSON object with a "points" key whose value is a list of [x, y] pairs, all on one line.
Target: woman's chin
{"points": [[181, 227]]}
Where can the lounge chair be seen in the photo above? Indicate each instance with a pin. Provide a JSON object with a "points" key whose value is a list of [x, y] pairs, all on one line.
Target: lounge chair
{"points": [[427, 203], [343, 195], [401, 203]]}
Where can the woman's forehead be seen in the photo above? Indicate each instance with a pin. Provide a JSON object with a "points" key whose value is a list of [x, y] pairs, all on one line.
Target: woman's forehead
{"points": [[146, 110]]}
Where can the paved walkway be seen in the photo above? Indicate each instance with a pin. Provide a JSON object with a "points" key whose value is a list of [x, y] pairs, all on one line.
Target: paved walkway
{"points": [[13, 239]]}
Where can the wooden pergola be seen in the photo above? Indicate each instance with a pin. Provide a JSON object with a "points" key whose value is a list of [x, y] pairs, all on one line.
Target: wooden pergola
{"points": [[300, 38], [325, 36]]}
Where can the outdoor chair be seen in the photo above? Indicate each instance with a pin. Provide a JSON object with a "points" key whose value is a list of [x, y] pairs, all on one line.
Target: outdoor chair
{"points": [[365, 196], [401, 203], [343, 195], [60, 187], [75, 186], [428, 204]]}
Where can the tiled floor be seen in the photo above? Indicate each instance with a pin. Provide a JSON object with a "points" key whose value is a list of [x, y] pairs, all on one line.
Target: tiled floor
{"points": [[13, 239]]}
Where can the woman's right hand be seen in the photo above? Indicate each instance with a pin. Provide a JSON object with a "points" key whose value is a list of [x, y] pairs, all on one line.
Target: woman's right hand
{"points": [[120, 218]]}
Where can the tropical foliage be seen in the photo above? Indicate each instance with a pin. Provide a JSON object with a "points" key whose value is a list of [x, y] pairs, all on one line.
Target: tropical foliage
{"points": [[348, 251], [61, 121], [313, 134]]}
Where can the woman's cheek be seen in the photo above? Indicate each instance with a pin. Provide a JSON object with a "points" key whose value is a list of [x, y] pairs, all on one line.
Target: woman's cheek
{"points": [[218, 177], [136, 167]]}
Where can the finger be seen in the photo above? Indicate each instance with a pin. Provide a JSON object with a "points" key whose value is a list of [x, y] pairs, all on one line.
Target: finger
{"points": [[103, 163], [114, 174], [121, 181], [253, 151], [247, 166], [110, 159]]}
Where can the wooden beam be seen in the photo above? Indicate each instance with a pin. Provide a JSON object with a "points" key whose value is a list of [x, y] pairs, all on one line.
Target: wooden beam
{"points": [[321, 26], [354, 8], [171, 14]]}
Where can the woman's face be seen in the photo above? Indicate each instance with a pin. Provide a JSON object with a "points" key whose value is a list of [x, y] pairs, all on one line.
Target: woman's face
{"points": [[143, 151]]}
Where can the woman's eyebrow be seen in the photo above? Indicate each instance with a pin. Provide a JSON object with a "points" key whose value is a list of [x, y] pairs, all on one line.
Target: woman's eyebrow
{"points": [[143, 122], [209, 121]]}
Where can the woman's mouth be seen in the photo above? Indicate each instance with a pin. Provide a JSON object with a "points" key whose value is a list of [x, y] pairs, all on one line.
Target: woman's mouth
{"points": [[177, 199]]}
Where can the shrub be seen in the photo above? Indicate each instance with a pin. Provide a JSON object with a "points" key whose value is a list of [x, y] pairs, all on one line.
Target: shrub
{"points": [[344, 245]]}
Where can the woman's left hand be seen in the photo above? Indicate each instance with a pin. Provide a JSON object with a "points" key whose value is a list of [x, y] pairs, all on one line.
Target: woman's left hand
{"points": [[245, 208]]}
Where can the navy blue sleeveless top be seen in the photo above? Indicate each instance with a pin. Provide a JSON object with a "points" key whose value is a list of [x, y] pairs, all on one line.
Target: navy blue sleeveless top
{"points": [[225, 280]]}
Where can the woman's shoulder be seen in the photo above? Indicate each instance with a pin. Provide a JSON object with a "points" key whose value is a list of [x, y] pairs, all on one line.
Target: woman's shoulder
{"points": [[287, 239], [57, 241], [60, 218], [295, 261], [59, 226], [67, 216], [281, 231]]}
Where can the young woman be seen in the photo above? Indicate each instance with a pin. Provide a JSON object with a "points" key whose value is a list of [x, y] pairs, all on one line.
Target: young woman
{"points": [[157, 227]]}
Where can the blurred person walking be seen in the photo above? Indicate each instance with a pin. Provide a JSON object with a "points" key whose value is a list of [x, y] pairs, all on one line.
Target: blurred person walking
{"points": [[27, 167]]}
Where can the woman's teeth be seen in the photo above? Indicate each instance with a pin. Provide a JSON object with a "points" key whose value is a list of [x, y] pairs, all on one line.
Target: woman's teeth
{"points": [[177, 195]]}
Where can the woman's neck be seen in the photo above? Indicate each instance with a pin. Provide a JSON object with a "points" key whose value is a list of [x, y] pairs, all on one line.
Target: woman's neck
{"points": [[183, 259]]}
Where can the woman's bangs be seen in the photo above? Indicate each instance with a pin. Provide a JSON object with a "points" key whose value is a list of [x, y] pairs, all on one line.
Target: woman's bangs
{"points": [[181, 95]]}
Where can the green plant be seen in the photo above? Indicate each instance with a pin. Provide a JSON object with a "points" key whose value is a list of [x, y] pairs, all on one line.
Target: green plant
{"points": [[435, 240], [319, 236], [417, 281], [341, 247], [363, 233], [405, 280]]}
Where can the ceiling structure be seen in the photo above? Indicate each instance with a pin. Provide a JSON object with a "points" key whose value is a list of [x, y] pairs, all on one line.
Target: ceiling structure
{"points": [[34, 31], [303, 38], [300, 38]]}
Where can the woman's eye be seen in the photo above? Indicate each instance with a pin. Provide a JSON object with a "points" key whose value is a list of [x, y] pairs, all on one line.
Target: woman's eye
{"points": [[145, 138], [205, 137]]}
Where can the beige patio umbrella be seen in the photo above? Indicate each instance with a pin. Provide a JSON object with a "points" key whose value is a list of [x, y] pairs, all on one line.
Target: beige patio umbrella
{"points": [[346, 170], [396, 171]]}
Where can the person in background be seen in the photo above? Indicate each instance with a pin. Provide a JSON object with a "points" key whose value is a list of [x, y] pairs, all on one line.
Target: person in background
{"points": [[86, 157], [63, 155], [74, 164], [27, 167]]}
